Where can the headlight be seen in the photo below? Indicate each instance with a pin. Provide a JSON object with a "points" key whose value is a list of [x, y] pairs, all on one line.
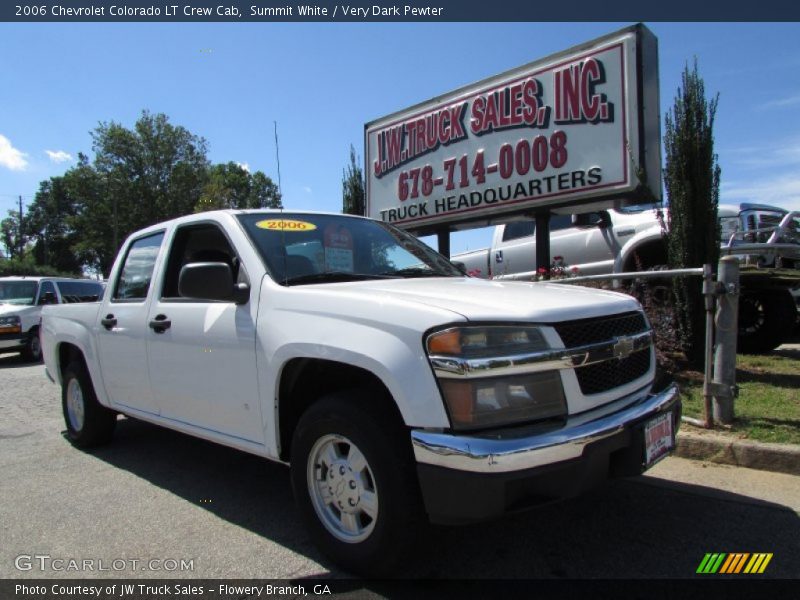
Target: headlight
{"points": [[464, 358], [10, 325]]}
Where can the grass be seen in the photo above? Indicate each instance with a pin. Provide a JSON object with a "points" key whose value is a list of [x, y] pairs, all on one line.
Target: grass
{"points": [[768, 406]]}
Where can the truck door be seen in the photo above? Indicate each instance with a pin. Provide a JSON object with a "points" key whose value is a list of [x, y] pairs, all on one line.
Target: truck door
{"points": [[513, 255], [122, 330], [201, 353], [584, 244]]}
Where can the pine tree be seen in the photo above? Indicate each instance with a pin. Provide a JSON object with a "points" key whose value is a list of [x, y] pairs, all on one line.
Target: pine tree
{"points": [[691, 178]]}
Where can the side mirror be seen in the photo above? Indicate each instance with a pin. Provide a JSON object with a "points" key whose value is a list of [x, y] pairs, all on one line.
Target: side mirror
{"points": [[211, 281], [592, 219]]}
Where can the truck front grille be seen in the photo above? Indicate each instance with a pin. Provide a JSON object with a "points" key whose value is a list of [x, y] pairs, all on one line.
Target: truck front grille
{"points": [[601, 377], [605, 376], [591, 331]]}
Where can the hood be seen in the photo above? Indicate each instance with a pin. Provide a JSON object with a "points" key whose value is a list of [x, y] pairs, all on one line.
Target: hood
{"points": [[483, 300], [15, 309]]}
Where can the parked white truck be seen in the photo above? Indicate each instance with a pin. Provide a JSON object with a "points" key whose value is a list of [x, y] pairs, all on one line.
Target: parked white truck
{"points": [[398, 390], [617, 241], [21, 302]]}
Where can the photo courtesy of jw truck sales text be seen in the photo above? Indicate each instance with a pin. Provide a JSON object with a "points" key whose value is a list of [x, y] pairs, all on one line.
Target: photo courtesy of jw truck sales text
{"points": [[579, 125]]}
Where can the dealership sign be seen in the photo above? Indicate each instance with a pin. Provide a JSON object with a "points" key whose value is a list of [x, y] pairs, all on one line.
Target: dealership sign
{"points": [[577, 128]]}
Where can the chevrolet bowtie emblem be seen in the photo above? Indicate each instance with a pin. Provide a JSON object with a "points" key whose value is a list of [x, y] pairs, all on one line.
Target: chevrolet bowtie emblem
{"points": [[623, 348]]}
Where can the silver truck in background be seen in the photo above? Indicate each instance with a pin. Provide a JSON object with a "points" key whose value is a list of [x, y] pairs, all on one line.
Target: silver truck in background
{"points": [[765, 238]]}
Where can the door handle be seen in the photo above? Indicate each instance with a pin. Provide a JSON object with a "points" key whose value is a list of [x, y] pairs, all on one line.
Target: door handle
{"points": [[160, 324], [498, 256], [109, 322]]}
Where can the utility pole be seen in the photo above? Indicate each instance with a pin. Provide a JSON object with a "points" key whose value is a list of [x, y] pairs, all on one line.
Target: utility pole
{"points": [[277, 157], [19, 230]]}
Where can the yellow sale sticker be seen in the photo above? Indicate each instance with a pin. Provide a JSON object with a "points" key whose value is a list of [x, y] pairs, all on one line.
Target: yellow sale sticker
{"points": [[285, 225]]}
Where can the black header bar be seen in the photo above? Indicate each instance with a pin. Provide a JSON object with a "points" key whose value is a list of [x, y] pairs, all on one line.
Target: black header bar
{"points": [[409, 11]]}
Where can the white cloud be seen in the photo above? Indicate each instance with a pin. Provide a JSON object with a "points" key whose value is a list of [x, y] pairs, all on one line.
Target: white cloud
{"points": [[10, 157], [776, 155], [244, 166], [307, 189], [781, 102], [781, 190], [59, 156]]}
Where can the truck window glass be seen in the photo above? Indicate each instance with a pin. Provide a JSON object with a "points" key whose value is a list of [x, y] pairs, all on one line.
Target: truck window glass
{"points": [[301, 248], [17, 292], [558, 222], [45, 287], [79, 291], [197, 243], [137, 271], [518, 229]]}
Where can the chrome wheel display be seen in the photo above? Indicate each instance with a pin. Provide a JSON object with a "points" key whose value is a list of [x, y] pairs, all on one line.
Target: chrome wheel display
{"points": [[342, 488], [75, 405]]}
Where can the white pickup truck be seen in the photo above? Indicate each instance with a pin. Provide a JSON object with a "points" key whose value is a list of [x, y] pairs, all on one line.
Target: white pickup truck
{"points": [[398, 390], [766, 238]]}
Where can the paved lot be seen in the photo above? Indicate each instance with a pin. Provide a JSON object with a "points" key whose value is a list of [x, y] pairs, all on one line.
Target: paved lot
{"points": [[155, 494]]}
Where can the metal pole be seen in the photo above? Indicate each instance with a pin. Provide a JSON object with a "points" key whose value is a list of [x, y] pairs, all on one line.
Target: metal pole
{"points": [[19, 230], [543, 242], [443, 241], [708, 294], [277, 157], [727, 328]]}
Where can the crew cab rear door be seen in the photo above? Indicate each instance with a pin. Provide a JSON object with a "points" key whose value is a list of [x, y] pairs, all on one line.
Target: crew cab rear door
{"points": [[201, 353], [122, 327]]}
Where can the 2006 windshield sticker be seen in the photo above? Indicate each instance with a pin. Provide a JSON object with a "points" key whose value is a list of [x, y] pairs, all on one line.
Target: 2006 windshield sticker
{"points": [[285, 225]]}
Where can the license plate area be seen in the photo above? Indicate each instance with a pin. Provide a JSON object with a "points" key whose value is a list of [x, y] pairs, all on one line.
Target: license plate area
{"points": [[659, 438]]}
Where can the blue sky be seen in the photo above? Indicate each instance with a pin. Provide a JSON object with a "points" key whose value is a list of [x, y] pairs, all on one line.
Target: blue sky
{"points": [[321, 82]]}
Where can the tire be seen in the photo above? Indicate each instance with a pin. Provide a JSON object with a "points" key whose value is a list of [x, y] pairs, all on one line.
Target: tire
{"points": [[33, 349], [354, 480], [88, 422], [765, 321]]}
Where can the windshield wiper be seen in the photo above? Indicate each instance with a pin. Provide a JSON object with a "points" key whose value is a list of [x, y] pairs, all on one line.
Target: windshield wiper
{"points": [[333, 276]]}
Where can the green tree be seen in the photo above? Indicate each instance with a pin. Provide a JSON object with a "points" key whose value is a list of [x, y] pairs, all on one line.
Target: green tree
{"points": [[49, 226], [691, 178], [353, 196], [140, 176], [14, 234], [232, 186]]}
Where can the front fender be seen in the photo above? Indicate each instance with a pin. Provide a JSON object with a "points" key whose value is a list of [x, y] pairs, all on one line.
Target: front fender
{"points": [[395, 357], [649, 235]]}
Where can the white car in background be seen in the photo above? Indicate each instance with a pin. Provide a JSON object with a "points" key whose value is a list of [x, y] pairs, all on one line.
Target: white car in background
{"points": [[21, 301]]}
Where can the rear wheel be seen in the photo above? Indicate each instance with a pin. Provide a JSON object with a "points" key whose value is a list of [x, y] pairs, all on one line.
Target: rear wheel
{"points": [[355, 483], [88, 422], [765, 321]]}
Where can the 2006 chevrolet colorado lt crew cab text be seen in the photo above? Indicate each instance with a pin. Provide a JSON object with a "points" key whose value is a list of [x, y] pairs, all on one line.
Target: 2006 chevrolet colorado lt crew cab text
{"points": [[398, 390]]}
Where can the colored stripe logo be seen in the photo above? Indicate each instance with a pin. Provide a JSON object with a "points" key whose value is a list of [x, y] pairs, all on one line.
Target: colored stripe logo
{"points": [[734, 563]]}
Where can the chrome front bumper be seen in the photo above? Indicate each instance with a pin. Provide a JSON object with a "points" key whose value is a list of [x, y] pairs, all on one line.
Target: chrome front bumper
{"points": [[488, 455]]}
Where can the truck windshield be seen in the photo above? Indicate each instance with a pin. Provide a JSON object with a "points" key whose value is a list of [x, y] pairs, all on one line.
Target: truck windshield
{"points": [[17, 292], [308, 248]]}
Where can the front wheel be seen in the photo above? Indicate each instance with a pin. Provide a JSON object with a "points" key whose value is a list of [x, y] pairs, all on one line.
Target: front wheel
{"points": [[355, 483], [32, 352], [89, 423]]}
